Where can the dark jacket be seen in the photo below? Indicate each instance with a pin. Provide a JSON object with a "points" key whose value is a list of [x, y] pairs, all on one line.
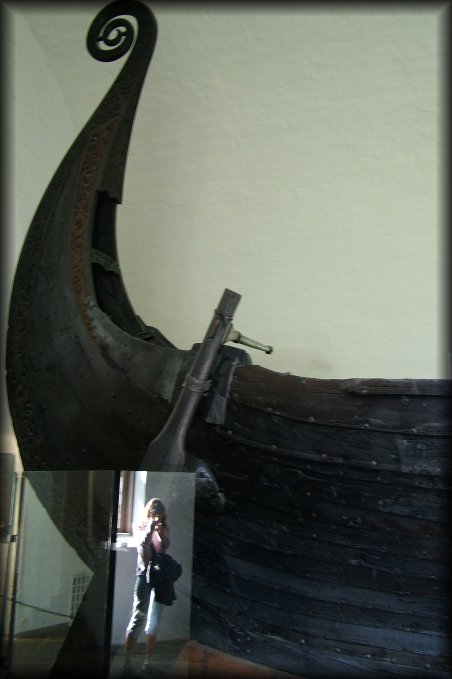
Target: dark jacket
{"points": [[163, 571], [148, 543]]}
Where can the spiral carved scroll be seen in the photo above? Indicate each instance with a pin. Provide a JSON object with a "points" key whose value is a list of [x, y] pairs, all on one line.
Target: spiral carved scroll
{"points": [[111, 35]]}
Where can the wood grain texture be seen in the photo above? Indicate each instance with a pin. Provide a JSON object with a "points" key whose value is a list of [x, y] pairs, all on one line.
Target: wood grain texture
{"points": [[332, 557]]}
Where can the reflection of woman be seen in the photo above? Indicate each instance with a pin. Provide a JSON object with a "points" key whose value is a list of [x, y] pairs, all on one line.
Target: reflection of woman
{"points": [[152, 537]]}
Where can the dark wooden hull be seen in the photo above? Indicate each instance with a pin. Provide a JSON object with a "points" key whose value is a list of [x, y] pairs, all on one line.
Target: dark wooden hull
{"points": [[331, 557]]}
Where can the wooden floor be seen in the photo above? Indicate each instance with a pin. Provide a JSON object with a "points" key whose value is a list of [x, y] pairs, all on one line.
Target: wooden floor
{"points": [[34, 657], [191, 660], [196, 660]]}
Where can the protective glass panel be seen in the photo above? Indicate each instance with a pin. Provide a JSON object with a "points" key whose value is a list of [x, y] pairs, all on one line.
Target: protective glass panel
{"points": [[177, 492], [61, 618], [9, 494]]}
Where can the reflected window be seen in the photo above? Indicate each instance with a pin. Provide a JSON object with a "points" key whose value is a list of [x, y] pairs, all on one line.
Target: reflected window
{"points": [[80, 584], [132, 491], [125, 508]]}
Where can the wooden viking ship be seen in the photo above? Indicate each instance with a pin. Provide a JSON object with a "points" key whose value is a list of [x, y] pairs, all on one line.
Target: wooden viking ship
{"points": [[330, 553]]}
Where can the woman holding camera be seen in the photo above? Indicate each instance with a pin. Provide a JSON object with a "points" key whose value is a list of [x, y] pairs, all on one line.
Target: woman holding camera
{"points": [[152, 536]]}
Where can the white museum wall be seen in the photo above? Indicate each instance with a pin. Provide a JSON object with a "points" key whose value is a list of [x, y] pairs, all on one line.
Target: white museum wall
{"points": [[295, 158]]}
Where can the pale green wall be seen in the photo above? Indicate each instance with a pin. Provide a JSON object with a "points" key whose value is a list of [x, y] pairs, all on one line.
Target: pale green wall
{"points": [[46, 568], [295, 158], [291, 155]]}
